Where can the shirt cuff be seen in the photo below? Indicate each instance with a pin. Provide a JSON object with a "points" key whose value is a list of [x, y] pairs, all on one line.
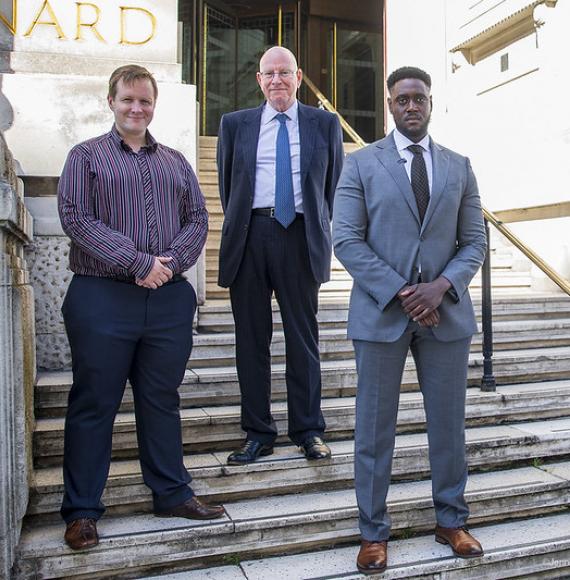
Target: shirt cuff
{"points": [[142, 265], [174, 264]]}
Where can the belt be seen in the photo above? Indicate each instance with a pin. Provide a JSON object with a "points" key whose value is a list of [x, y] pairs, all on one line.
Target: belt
{"points": [[270, 212]]}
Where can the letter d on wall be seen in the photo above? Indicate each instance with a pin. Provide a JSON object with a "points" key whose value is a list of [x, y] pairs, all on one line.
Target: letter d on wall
{"points": [[137, 15]]}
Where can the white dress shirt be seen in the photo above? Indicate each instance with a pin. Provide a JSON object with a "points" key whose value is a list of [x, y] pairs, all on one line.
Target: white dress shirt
{"points": [[402, 143], [264, 194]]}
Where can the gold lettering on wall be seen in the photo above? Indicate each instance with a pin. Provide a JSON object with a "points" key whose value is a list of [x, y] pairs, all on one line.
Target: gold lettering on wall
{"points": [[11, 23], [53, 22], [92, 24], [124, 11]]}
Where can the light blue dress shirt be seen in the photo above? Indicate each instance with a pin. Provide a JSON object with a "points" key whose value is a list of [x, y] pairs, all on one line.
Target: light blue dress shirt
{"points": [[264, 194]]}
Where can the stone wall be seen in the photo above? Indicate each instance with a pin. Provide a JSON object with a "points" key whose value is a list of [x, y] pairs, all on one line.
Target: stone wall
{"points": [[17, 360]]}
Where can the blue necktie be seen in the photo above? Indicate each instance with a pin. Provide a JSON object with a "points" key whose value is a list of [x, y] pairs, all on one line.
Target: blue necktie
{"points": [[284, 198]]}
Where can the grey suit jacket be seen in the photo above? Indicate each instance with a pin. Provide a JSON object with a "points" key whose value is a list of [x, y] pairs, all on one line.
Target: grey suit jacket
{"points": [[378, 238]]}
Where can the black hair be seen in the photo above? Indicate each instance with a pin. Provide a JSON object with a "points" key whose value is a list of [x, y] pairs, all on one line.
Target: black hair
{"points": [[408, 72]]}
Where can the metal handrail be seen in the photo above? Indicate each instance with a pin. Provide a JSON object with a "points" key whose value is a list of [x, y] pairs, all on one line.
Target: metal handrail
{"points": [[561, 282], [328, 106]]}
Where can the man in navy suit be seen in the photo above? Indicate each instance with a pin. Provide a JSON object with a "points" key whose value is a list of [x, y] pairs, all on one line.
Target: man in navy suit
{"points": [[278, 167]]}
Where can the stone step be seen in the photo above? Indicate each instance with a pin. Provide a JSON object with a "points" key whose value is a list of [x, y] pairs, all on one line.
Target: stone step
{"points": [[286, 471], [210, 428], [532, 548], [219, 348], [216, 315], [204, 386], [134, 544]]}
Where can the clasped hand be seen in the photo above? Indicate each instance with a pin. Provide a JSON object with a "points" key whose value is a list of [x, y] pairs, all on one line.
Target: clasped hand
{"points": [[159, 274], [420, 301]]}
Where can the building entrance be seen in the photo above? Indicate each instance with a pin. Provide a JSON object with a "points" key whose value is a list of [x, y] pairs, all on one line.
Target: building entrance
{"points": [[338, 44]]}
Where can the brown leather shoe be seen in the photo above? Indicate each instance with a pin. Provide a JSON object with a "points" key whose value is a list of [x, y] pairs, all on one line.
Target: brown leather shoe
{"points": [[461, 541], [81, 534], [192, 509], [373, 557]]}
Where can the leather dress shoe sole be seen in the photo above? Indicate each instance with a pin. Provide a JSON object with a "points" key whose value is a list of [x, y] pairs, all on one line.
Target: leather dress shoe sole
{"points": [[369, 571]]}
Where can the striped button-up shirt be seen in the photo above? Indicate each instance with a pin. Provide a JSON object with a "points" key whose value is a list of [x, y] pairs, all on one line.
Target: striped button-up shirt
{"points": [[121, 208]]}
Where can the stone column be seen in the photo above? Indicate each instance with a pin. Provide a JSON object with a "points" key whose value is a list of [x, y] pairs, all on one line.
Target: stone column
{"points": [[17, 360]]}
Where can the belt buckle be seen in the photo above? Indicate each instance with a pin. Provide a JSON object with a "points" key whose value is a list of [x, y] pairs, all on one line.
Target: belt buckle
{"points": [[272, 212]]}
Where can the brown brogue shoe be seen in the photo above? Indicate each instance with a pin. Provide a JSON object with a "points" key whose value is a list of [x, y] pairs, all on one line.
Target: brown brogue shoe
{"points": [[192, 509], [463, 544], [81, 534], [373, 557]]}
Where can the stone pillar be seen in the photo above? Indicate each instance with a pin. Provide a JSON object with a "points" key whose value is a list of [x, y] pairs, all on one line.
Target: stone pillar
{"points": [[17, 360]]}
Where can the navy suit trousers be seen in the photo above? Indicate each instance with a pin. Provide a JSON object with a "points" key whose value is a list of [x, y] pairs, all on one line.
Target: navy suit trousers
{"points": [[276, 260], [118, 332]]}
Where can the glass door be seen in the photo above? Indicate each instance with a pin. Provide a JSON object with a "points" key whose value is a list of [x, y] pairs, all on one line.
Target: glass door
{"points": [[232, 43], [218, 86], [256, 33], [356, 80]]}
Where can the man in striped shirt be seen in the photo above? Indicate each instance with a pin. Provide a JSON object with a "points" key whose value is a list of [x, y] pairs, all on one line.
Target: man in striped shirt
{"points": [[136, 218]]}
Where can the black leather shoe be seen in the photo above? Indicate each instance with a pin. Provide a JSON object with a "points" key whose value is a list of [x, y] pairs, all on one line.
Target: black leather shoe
{"points": [[249, 452], [192, 509], [315, 448]]}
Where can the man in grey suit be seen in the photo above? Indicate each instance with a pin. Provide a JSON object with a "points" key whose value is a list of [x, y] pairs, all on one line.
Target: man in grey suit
{"points": [[408, 227], [278, 166]]}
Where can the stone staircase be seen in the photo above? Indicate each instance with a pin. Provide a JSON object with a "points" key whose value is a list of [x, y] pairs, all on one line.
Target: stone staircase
{"points": [[518, 442], [290, 519]]}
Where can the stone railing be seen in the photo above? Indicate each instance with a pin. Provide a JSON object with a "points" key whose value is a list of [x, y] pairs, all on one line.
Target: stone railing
{"points": [[17, 360]]}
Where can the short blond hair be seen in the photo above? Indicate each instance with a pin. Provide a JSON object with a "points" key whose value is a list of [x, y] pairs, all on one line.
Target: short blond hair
{"points": [[129, 74]]}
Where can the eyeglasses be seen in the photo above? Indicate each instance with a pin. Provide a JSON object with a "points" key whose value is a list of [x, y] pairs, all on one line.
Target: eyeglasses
{"points": [[284, 74]]}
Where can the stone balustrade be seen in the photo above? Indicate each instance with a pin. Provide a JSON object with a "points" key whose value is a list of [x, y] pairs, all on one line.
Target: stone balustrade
{"points": [[17, 359]]}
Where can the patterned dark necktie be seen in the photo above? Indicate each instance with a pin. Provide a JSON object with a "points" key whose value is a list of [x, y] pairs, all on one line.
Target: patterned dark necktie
{"points": [[419, 179], [284, 197]]}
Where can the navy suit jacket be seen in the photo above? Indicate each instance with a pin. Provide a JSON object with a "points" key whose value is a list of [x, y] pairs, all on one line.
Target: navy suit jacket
{"points": [[321, 163]]}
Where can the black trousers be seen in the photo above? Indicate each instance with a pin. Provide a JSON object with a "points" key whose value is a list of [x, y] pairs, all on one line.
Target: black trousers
{"points": [[119, 331], [276, 260]]}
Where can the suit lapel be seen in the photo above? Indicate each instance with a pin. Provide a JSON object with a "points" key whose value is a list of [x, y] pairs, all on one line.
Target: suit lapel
{"points": [[440, 167], [307, 132], [249, 139], [387, 153]]}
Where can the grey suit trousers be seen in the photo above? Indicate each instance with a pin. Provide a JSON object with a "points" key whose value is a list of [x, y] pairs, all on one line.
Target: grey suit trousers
{"points": [[442, 375]]}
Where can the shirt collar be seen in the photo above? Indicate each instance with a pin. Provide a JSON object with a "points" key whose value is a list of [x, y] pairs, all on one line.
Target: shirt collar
{"points": [[151, 143], [269, 112], [402, 142]]}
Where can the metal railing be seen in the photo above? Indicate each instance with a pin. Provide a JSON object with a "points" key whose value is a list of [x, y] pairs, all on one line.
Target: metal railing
{"points": [[488, 382]]}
